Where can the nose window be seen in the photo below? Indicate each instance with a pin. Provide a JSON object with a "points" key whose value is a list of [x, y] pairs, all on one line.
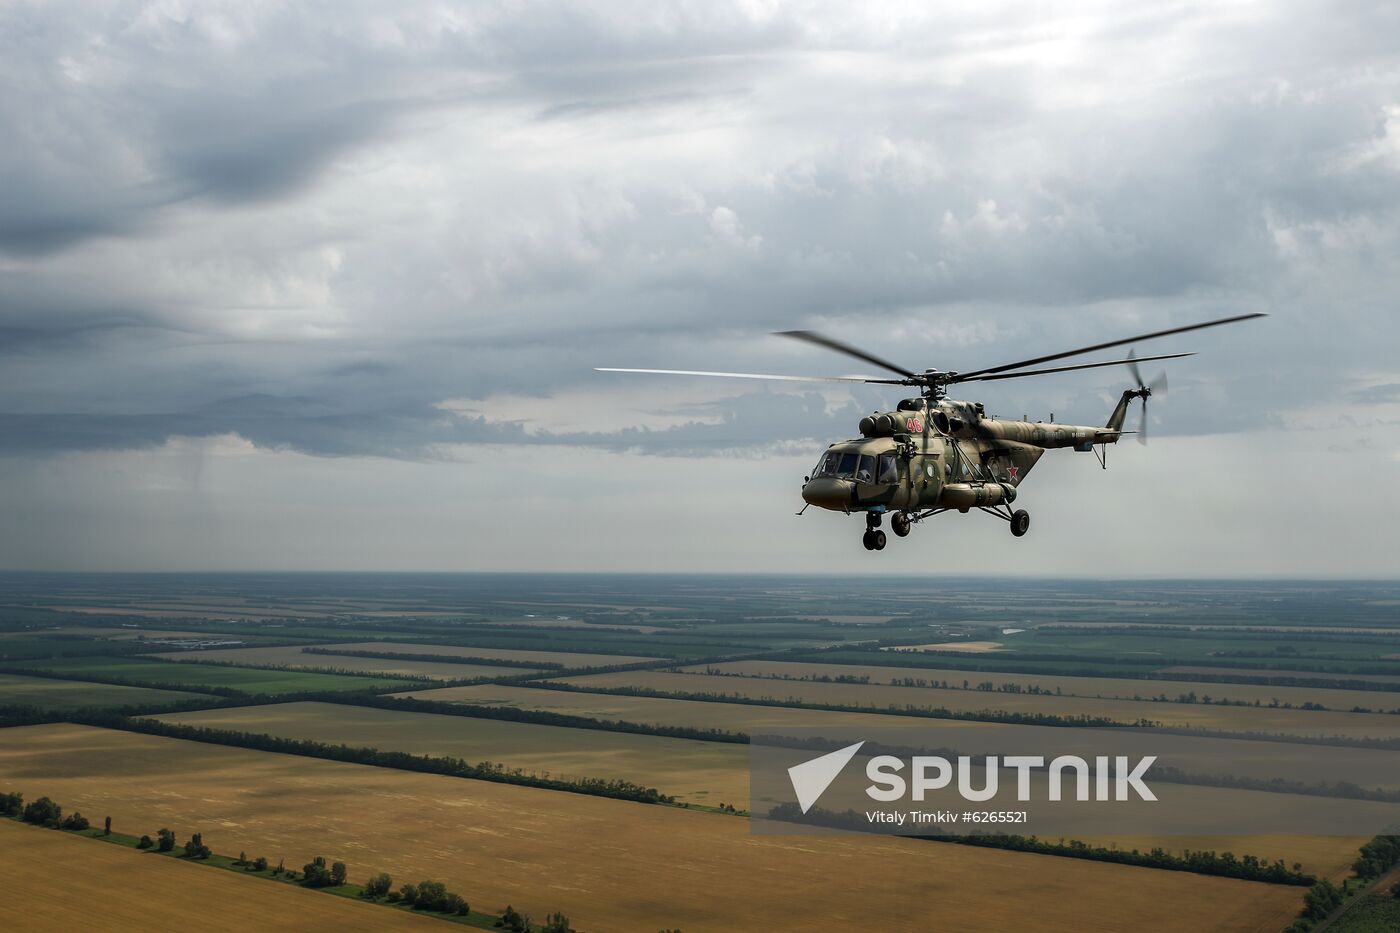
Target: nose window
{"points": [[847, 468]]}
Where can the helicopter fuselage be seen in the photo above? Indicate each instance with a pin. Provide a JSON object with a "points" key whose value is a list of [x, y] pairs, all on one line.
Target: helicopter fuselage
{"points": [[943, 454]]}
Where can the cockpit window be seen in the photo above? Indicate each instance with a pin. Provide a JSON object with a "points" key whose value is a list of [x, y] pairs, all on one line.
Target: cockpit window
{"points": [[887, 472], [837, 464]]}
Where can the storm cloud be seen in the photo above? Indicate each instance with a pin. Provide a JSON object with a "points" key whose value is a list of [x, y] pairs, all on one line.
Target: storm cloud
{"points": [[353, 231]]}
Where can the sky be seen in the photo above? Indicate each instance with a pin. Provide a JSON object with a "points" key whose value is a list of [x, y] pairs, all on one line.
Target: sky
{"points": [[322, 285]]}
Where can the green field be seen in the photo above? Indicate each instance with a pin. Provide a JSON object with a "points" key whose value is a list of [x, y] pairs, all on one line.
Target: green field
{"points": [[1187, 643], [244, 679], [294, 656], [284, 655], [1374, 913], [47, 693]]}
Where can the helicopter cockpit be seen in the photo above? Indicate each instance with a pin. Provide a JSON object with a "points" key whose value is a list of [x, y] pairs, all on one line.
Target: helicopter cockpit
{"points": [[860, 467]]}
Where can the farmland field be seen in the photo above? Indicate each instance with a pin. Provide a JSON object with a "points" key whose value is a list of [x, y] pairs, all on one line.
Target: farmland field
{"points": [[567, 658], [611, 865], [246, 679], [1120, 687], [293, 656], [696, 714], [131, 890], [694, 771], [1198, 715], [1302, 675], [47, 693], [124, 633]]}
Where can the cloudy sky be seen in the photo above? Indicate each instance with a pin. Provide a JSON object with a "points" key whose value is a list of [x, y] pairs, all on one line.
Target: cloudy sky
{"points": [[321, 285]]}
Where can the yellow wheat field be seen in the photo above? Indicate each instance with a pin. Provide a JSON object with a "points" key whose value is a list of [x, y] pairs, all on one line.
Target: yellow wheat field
{"points": [[690, 770], [610, 865], [694, 771], [879, 696], [111, 887], [1120, 687]]}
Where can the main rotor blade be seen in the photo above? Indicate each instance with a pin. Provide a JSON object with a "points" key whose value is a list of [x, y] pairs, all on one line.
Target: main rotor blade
{"points": [[1112, 343], [1133, 368], [1065, 369], [692, 372], [822, 340]]}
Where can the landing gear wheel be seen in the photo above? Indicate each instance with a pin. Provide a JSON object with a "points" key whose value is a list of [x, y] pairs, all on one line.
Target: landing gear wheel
{"points": [[877, 540], [1020, 522], [899, 524], [872, 520], [868, 540]]}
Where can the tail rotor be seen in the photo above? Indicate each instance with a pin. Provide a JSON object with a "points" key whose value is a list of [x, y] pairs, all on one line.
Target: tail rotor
{"points": [[1144, 391]]}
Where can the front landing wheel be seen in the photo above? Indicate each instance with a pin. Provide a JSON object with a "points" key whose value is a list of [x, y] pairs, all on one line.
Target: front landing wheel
{"points": [[877, 540], [1020, 522]]}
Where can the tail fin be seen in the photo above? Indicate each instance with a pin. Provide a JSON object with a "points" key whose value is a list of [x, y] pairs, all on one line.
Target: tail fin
{"points": [[1120, 411]]}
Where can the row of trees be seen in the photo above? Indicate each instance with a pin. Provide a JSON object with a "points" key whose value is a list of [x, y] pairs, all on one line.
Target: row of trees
{"points": [[452, 767], [432, 896], [1376, 857], [43, 812], [302, 669], [988, 686], [436, 658], [921, 712], [537, 717], [1131, 666]]}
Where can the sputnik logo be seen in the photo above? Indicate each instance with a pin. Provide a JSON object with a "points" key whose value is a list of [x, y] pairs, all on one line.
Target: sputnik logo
{"points": [[811, 778]]}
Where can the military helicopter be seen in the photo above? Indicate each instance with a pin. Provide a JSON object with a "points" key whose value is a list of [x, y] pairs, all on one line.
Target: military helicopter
{"points": [[933, 454]]}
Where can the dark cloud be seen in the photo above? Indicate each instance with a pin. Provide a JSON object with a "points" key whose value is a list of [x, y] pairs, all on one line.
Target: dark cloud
{"points": [[1385, 394], [310, 226], [754, 423]]}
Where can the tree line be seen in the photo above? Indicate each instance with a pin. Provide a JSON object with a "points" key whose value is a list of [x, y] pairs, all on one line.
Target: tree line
{"points": [[1144, 668], [988, 686], [428, 896], [537, 717], [922, 712], [436, 658], [1376, 857], [403, 761]]}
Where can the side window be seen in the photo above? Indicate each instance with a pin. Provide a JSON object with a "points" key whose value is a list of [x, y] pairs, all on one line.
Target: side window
{"points": [[887, 472], [866, 471]]}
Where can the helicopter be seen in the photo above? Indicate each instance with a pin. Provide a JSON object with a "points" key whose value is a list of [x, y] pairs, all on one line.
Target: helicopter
{"points": [[933, 454]]}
